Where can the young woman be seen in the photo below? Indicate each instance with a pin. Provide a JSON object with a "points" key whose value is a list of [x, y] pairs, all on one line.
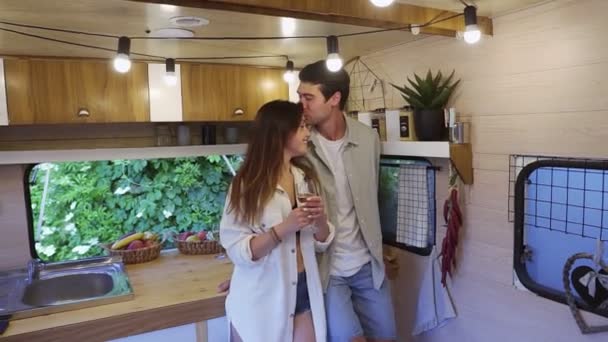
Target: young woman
{"points": [[275, 290]]}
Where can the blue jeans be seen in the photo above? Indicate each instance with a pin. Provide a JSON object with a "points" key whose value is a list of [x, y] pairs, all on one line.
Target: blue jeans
{"points": [[355, 308]]}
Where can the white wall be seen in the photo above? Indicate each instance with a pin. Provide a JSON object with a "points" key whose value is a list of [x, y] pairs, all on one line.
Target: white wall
{"points": [[538, 86]]}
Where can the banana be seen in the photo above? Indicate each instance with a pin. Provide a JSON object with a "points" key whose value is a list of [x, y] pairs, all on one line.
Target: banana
{"points": [[125, 235], [125, 241]]}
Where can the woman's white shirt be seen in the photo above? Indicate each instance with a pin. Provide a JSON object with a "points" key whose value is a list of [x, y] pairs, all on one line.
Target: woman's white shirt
{"points": [[262, 297]]}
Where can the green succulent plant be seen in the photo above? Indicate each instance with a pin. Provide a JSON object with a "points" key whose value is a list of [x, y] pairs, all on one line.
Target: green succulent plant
{"points": [[432, 92]]}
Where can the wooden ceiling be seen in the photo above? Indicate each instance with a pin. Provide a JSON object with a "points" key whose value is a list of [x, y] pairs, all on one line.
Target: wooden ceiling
{"points": [[487, 8], [246, 18], [120, 17]]}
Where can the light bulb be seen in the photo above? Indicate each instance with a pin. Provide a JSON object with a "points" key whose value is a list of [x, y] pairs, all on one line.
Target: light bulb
{"points": [[472, 34], [333, 62], [288, 76], [171, 78], [471, 31], [382, 3], [122, 63]]}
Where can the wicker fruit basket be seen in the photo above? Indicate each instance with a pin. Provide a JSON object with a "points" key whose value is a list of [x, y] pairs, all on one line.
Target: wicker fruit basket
{"points": [[198, 247], [135, 256]]}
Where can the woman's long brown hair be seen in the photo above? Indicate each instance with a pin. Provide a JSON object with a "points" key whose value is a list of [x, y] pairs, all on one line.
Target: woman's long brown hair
{"points": [[255, 183]]}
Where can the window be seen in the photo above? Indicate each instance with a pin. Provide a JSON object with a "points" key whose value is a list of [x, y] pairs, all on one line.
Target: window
{"points": [[406, 198], [560, 208], [74, 206]]}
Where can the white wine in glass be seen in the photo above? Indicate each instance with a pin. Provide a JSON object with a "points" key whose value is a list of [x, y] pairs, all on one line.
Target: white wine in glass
{"points": [[305, 190]]}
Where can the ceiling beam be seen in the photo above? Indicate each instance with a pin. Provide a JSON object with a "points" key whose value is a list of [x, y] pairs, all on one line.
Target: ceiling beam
{"points": [[352, 12]]}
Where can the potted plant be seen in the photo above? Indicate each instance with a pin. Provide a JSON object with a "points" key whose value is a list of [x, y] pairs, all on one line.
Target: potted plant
{"points": [[428, 97]]}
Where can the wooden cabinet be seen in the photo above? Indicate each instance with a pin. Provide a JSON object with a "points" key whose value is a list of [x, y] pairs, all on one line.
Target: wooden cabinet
{"points": [[214, 92], [74, 91]]}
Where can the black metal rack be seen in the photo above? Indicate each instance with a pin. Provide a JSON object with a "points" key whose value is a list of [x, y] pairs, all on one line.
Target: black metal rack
{"points": [[407, 215]]}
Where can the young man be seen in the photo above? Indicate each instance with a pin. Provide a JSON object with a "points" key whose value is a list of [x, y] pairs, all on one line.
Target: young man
{"points": [[346, 155]]}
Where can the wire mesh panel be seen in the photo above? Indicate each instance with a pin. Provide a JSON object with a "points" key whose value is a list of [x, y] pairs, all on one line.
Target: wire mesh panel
{"points": [[413, 206], [518, 162], [569, 200], [407, 203], [559, 208], [366, 88]]}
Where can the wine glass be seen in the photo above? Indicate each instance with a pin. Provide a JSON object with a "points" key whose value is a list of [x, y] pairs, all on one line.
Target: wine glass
{"points": [[305, 190]]}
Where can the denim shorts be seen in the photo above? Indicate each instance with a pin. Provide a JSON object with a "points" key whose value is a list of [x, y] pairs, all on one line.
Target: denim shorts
{"points": [[355, 308], [302, 299]]}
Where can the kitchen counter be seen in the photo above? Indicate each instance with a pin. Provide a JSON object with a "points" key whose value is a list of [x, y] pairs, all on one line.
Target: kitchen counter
{"points": [[172, 290]]}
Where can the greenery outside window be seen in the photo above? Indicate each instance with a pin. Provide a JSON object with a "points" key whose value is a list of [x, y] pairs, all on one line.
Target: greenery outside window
{"points": [[75, 206]]}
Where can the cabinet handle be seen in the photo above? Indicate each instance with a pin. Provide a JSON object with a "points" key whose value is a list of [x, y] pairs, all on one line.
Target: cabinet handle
{"points": [[238, 112], [83, 112]]}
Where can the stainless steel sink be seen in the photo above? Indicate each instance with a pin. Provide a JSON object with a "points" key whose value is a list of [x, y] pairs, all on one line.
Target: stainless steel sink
{"points": [[47, 288], [57, 290]]}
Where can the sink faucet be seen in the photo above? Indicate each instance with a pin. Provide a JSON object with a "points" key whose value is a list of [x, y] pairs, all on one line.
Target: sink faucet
{"points": [[34, 266]]}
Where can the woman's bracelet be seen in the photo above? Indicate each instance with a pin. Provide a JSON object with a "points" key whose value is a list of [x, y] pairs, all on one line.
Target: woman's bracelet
{"points": [[274, 235]]}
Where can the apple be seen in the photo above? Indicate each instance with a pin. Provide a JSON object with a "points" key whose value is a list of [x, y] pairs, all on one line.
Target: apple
{"points": [[136, 244], [183, 236], [202, 235], [149, 243]]}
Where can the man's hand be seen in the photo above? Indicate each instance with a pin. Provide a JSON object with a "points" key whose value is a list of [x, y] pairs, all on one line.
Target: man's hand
{"points": [[391, 264], [223, 286]]}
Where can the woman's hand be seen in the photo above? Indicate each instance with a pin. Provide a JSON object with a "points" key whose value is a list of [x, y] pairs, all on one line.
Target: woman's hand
{"points": [[315, 209], [316, 213], [295, 221]]}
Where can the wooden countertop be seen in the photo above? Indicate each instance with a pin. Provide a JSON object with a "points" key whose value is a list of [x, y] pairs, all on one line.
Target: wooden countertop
{"points": [[172, 290]]}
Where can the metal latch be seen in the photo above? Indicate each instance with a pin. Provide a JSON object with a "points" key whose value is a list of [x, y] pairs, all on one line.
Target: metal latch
{"points": [[526, 255]]}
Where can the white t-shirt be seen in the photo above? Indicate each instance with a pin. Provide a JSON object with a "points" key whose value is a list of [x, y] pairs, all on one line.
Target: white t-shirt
{"points": [[350, 252]]}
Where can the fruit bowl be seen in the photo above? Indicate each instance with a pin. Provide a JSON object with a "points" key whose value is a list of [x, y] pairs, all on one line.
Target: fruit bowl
{"points": [[135, 256], [135, 247], [196, 246]]}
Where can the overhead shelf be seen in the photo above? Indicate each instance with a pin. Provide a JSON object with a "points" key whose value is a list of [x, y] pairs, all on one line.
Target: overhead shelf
{"points": [[461, 155], [431, 149], [42, 156]]}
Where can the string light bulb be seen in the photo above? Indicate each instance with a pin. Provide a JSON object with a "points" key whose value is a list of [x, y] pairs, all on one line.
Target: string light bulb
{"points": [[288, 76], [170, 75], [382, 3], [333, 61], [122, 63], [471, 31]]}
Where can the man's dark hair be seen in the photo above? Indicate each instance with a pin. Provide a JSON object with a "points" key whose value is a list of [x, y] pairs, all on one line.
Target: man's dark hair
{"points": [[330, 82]]}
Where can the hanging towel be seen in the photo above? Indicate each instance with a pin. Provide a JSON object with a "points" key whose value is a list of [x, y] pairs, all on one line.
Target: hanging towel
{"points": [[413, 206], [435, 306]]}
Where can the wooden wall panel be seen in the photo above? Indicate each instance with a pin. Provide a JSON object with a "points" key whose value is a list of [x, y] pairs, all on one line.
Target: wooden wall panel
{"points": [[536, 87], [565, 134]]}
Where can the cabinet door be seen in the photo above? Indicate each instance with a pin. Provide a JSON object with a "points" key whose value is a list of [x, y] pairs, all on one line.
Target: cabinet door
{"points": [[54, 91], [215, 92], [204, 91], [258, 86]]}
